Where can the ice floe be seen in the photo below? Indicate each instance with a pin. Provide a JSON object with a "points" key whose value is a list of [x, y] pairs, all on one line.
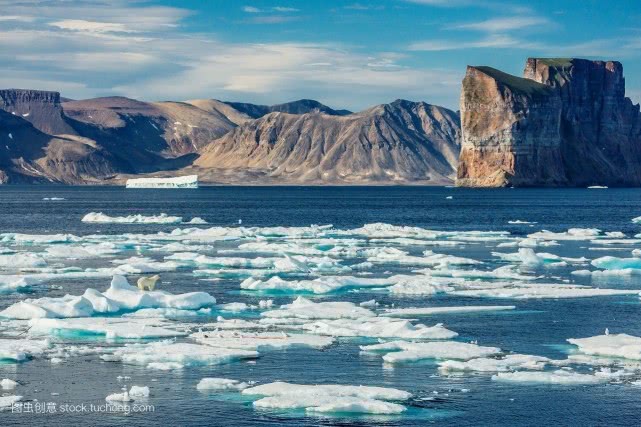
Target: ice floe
{"points": [[559, 376], [260, 341], [405, 351], [221, 384], [610, 345], [162, 218], [321, 285], [507, 363], [429, 311], [8, 384], [119, 297], [329, 398], [21, 350]]}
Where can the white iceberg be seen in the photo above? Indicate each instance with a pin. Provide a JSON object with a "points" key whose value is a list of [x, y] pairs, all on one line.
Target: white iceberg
{"points": [[162, 218], [509, 362], [221, 384], [428, 311], [610, 345], [560, 377], [188, 181], [405, 351]]}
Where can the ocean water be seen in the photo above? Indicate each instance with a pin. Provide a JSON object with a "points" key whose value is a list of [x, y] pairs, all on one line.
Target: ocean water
{"points": [[537, 326]]}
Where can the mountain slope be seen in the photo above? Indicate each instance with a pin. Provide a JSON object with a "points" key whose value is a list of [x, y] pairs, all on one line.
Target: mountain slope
{"points": [[400, 142], [301, 106]]}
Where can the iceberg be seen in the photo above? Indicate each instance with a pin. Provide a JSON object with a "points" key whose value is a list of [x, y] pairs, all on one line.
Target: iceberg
{"points": [[405, 351], [221, 384], [260, 340], [102, 218], [21, 350], [614, 345], [322, 285], [7, 384], [188, 181], [428, 311], [510, 362], [110, 327]]}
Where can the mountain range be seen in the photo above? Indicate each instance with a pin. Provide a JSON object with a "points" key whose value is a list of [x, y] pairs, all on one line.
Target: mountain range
{"points": [[566, 122], [47, 138]]}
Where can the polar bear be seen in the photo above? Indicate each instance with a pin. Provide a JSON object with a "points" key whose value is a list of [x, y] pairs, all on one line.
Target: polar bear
{"points": [[148, 283]]}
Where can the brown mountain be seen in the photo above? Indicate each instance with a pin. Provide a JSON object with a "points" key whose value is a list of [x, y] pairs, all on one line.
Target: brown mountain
{"points": [[567, 122], [401, 142]]}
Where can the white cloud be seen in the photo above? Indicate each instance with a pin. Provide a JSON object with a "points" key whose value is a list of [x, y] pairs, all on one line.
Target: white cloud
{"points": [[493, 41], [504, 24], [251, 9], [285, 9], [91, 26]]}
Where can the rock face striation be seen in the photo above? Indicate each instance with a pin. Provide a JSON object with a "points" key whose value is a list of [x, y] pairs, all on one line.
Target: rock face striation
{"points": [[566, 123], [400, 142]]}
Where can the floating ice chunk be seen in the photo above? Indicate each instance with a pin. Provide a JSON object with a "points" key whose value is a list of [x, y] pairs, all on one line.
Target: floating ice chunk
{"points": [[234, 307], [163, 218], [422, 285], [597, 187], [110, 327], [369, 304], [172, 355], [322, 285], [83, 251], [16, 283], [53, 199], [139, 391], [329, 398], [528, 257], [518, 221], [610, 345], [614, 263], [261, 341], [427, 311], [189, 181], [8, 384], [507, 363], [405, 351], [571, 234], [378, 327], [38, 239], [533, 243], [138, 265], [8, 401], [197, 220], [21, 260], [21, 350], [560, 376], [119, 297], [392, 255], [119, 397], [520, 290], [302, 308], [221, 384]]}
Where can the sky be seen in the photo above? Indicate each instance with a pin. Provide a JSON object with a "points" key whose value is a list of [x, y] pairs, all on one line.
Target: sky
{"points": [[345, 54]]}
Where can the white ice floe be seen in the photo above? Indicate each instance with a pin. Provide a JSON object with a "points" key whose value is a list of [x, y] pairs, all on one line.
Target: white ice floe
{"points": [[423, 285], [53, 199], [571, 234], [527, 257], [21, 350], [163, 218], [8, 401], [110, 327], [518, 221], [610, 345], [175, 355], [21, 260], [329, 398], [139, 391], [560, 376], [428, 311], [8, 384], [260, 341], [119, 397], [321, 285], [405, 351], [509, 362], [119, 297], [15, 283], [429, 258], [221, 384], [188, 181], [303, 308], [520, 290], [378, 327], [197, 220]]}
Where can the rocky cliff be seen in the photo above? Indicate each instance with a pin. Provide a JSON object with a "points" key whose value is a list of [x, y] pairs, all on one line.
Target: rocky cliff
{"points": [[399, 142], [567, 122]]}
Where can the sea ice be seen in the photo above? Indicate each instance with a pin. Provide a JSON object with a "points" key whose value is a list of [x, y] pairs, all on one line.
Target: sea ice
{"points": [[110, 327], [260, 341], [610, 345], [378, 327], [21, 350], [221, 384], [427, 311], [405, 351], [303, 308], [8, 401], [509, 362], [321, 285], [560, 376], [7, 384], [329, 398], [614, 263]]}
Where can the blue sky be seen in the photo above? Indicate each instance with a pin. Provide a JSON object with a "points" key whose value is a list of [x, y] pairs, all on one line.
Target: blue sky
{"points": [[346, 54]]}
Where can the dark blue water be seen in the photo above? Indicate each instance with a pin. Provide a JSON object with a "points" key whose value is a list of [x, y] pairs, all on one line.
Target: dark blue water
{"points": [[537, 326]]}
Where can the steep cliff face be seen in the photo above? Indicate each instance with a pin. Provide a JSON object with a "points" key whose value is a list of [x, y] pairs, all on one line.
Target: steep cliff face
{"points": [[510, 131], [567, 122], [600, 127], [41, 108], [398, 142]]}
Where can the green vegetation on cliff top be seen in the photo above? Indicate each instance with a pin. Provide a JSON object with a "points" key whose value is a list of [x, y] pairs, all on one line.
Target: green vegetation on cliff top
{"points": [[516, 84]]}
